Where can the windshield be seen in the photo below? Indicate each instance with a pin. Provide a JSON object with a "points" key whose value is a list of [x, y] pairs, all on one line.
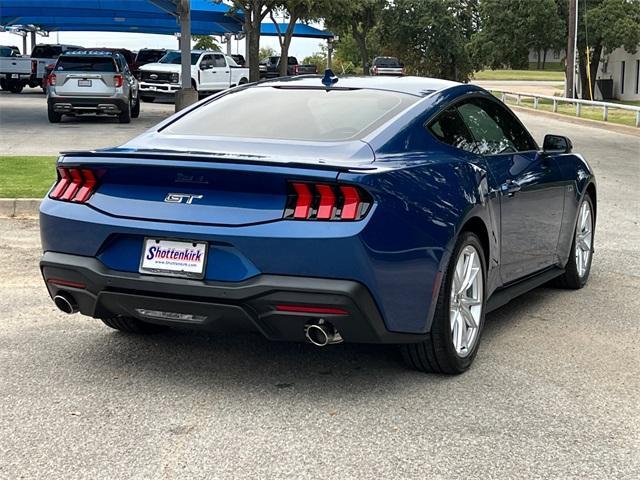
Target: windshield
{"points": [[390, 62], [149, 56], [294, 114], [85, 64], [174, 58]]}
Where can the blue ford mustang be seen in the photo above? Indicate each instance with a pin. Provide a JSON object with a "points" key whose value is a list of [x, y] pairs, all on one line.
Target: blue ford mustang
{"points": [[379, 210]]}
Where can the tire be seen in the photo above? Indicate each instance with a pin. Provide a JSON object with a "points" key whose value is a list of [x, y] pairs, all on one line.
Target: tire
{"points": [[577, 271], [132, 325], [16, 87], [54, 117], [147, 99], [125, 117], [438, 353], [135, 111]]}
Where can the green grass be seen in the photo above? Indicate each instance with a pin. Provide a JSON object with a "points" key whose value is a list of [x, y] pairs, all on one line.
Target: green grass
{"points": [[622, 117], [554, 67], [519, 75], [26, 177]]}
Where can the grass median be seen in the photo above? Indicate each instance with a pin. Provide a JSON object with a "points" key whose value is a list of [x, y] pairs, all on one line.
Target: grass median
{"points": [[519, 75], [26, 177], [621, 117]]}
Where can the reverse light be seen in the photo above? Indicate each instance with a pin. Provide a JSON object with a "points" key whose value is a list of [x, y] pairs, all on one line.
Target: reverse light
{"points": [[118, 80], [323, 201], [74, 185]]}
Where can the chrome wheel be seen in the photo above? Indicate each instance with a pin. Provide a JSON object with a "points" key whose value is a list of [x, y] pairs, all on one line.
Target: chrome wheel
{"points": [[466, 301], [584, 239]]}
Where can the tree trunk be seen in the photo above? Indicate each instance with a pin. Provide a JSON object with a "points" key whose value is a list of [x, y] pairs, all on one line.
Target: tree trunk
{"points": [[595, 61], [252, 26], [284, 39], [538, 60], [361, 40], [544, 57]]}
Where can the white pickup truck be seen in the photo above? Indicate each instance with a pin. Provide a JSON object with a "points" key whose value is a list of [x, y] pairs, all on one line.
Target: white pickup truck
{"points": [[18, 72], [210, 72]]}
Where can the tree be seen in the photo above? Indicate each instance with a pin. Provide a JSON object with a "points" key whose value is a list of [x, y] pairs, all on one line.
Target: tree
{"points": [[266, 52], [293, 11], [356, 18], [509, 30], [430, 36], [254, 12], [205, 42], [605, 26]]}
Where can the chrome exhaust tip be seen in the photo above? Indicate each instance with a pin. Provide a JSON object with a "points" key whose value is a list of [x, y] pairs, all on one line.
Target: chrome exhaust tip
{"points": [[322, 333], [65, 303]]}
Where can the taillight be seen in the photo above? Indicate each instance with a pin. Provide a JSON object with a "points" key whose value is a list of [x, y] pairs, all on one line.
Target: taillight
{"points": [[34, 66], [323, 201], [375, 70], [118, 80], [296, 69], [74, 185], [52, 79]]}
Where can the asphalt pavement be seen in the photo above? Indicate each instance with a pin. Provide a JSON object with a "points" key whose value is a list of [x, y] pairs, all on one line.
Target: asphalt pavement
{"points": [[554, 391]]}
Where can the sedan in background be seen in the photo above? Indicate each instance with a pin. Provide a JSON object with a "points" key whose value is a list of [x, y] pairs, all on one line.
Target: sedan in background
{"points": [[322, 209]]}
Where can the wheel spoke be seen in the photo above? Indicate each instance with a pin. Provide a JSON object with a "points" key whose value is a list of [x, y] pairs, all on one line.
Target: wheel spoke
{"points": [[469, 272], [470, 321]]}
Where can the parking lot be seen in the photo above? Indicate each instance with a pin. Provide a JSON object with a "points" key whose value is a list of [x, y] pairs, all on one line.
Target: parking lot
{"points": [[553, 392]]}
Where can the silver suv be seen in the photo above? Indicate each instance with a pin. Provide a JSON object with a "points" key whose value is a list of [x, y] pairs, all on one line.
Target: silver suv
{"points": [[92, 81]]}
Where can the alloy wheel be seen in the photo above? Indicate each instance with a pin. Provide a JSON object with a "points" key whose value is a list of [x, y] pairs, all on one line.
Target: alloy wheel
{"points": [[465, 306], [584, 239]]}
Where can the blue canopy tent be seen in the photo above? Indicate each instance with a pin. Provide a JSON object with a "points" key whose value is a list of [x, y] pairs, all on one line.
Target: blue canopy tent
{"points": [[186, 17]]}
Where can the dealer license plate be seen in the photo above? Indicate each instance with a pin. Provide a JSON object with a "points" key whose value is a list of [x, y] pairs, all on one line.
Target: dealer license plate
{"points": [[173, 258]]}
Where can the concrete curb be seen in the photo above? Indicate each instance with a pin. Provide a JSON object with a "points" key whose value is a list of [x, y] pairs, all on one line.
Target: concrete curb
{"points": [[19, 207], [612, 127]]}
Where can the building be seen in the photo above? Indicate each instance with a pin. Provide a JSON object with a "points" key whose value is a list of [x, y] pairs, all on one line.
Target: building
{"points": [[623, 70]]}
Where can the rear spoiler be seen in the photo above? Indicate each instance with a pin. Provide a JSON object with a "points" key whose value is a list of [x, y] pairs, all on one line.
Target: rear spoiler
{"points": [[217, 157]]}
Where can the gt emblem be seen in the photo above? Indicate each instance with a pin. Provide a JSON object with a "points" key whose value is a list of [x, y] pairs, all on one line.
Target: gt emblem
{"points": [[187, 198]]}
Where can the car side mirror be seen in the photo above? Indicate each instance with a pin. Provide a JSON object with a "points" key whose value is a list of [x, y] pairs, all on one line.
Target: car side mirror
{"points": [[557, 144], [205, 66]]}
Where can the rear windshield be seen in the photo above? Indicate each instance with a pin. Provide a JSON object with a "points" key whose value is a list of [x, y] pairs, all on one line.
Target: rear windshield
{"points": [[294, 114], [174, 58], [85, 64], [46, 51], [6, 52], [387, 62], [149, 56]]}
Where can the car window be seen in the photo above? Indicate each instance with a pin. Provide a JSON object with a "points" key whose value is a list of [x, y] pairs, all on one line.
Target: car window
{"points": [[312, 114], [206, 62], [218, 61], [449, 128], [6, 52], [85, 64], [389, 62], [174, 58], [493, 128], [149, 56], [46, 51]]}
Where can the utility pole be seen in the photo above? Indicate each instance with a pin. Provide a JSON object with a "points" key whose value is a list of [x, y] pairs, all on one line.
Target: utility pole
{"points": [[572, 47]]}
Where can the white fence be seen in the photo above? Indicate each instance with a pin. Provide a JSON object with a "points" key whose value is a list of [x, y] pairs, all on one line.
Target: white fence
{"points": [[606, 106]]}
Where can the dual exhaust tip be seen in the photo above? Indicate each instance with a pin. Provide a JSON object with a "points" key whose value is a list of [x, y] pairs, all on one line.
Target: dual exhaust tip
{"points": [[322, 333], [66, 303]]}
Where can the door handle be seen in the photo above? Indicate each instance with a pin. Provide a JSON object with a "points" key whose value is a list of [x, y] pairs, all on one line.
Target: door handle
{"points": [[226, 71], [510, 187]]}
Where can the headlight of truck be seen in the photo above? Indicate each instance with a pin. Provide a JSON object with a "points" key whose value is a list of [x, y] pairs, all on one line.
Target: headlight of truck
{"points": [[175, 78]]}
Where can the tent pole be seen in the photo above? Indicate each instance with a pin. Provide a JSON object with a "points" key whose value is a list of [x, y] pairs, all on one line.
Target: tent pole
{"points": [[186, 95]]}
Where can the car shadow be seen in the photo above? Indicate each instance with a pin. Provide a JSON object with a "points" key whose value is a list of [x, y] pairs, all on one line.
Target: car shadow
{"points": [[248, 360]]}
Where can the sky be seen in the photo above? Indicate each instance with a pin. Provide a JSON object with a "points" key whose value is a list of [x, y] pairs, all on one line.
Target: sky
{"points": [[300, 47]]}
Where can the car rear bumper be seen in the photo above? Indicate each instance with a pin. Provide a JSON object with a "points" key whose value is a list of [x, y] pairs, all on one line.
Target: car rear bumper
{"points": [[109, 105], [250, 305]]}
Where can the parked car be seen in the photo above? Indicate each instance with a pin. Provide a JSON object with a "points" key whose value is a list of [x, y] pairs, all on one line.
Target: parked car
{"points": [[326, 210], [87, 81], [210, 72], [148, 55], [18, 72], [270, 68], [387, 66]]}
